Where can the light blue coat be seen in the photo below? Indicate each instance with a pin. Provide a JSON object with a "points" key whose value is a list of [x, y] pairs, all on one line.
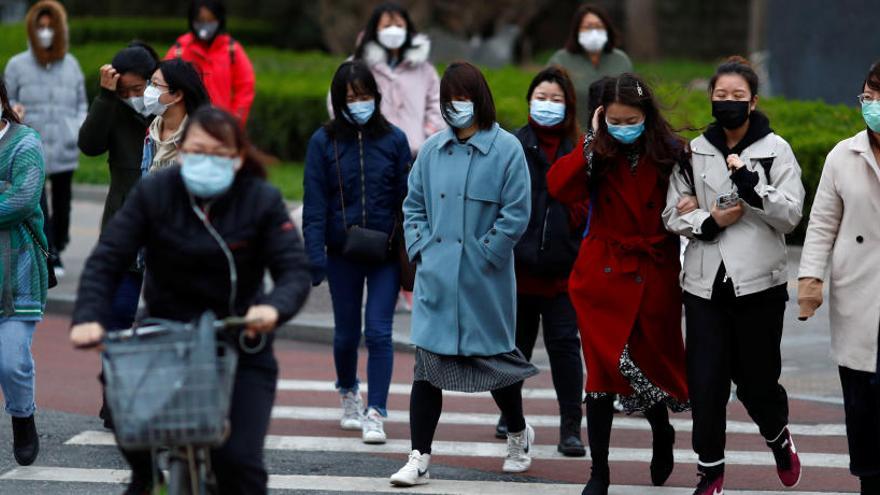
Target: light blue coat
{"points": [[467, 206]]}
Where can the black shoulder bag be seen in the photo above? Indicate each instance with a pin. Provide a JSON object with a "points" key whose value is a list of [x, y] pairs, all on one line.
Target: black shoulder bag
{"points": [[362, 245]]}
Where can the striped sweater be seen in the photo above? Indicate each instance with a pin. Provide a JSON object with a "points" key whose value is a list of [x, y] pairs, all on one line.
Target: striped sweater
{"points": [[23, 270]]}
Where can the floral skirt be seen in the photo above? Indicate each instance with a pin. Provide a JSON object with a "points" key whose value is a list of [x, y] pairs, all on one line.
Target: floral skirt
{"points": [[645, 394]]}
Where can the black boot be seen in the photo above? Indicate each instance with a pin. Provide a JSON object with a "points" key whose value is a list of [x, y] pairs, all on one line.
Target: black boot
{"points": [[600, 413], [570, 444], [501, 428], [662, 461], [870, 485], [25, 441]]}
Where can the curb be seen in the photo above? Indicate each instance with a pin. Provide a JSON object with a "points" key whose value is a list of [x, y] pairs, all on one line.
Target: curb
{"points": [[304, 328]]}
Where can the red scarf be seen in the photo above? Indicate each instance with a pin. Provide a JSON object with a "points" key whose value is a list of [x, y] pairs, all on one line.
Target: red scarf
{"points": [[549, 139]]}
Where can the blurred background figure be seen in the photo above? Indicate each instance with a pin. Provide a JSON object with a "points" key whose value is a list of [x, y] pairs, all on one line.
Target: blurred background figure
{"points": [[47, 90], [220, 59]]}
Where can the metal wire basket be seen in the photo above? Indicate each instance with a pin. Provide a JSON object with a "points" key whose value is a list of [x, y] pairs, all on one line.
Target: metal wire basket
{"points": [[170, 385]]}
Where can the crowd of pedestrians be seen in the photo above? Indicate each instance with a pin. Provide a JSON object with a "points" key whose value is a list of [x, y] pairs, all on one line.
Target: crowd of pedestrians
{"points": [[569, 226]]}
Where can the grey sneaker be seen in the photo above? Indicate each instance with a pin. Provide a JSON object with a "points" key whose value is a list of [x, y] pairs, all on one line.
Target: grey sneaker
{"points": [[519, 459], [352, 407], [373, 430]]}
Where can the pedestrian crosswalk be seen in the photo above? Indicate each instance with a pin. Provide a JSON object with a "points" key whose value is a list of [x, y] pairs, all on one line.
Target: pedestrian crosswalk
{"points": [[305, 422]]}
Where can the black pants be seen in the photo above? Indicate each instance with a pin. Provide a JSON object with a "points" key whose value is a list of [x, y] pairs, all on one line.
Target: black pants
{"points": [[60, 200], [238, 464], [426, 404], [734, 338], [559, 321], [861, 402]]}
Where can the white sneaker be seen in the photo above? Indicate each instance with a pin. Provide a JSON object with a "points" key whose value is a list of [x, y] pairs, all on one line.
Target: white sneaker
{"points": [[373, 431], [518, 458], [415, 472], [352, 408]]}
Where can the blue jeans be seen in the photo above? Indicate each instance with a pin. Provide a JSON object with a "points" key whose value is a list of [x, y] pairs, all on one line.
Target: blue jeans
{"points": [[17, 366], [125, 301], [346, 279]]}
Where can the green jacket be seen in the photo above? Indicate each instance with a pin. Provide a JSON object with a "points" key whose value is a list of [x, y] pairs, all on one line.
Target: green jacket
{"points": [[23, 270], [583, 73], [113, 127]]}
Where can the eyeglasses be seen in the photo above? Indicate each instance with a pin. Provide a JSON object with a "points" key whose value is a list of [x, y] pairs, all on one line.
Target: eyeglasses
{"points": [[865, 98]]}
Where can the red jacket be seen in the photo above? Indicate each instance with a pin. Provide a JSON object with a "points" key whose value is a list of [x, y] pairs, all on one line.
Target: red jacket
{"points": [[226, 71], [624, 285]]}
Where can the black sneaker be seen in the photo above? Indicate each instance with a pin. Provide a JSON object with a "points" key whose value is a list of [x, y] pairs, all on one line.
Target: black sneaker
{"points": [[25, 440], [711, 480]]}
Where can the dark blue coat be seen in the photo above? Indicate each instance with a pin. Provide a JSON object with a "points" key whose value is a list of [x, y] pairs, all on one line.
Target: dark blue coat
{"points": [[386, 162]]}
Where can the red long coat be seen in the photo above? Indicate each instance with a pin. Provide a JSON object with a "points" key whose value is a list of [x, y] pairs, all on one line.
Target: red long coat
{"points": [[624, 285]]}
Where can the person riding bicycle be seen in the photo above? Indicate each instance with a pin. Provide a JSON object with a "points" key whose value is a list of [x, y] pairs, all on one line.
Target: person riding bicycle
{"points": [[210, 229]]}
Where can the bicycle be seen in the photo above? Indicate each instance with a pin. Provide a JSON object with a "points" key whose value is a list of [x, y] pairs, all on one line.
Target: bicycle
{"points": [[169, 386]]}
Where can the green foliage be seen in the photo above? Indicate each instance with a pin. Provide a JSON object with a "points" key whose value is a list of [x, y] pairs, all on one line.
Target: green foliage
{"points": [[161, 31]]}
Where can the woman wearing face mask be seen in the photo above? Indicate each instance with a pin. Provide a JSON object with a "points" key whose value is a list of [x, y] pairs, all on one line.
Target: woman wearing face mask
{"points": [[229, 75], [355, 178], [398, 57], [624, 285], [174, 92], [843, 230], [167, 215], [467, 206], [591, 53], [546, 252], [747, 184], [23, 251], [47, 89]]}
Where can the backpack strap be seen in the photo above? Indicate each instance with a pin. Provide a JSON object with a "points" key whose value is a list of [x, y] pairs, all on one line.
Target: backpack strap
{"points": [[231, 50], [178, 50]]}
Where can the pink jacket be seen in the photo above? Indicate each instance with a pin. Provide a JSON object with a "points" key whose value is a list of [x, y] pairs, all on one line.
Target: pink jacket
{"points": [[410, 92]]}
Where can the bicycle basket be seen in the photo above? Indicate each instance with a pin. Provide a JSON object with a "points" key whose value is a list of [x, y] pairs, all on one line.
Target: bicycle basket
{"points": [[172, 388]]}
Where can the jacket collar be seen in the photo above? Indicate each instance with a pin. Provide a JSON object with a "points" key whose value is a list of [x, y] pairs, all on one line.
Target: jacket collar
{"points": [[375, 54], [482, 140], [762, 148], [861, 144]]}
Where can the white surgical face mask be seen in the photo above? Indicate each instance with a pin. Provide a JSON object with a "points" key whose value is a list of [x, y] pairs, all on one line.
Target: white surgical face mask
{"points": [[137, 102], [593, 40], [206, 30], [151, 101], [45, 37], [392, 37]]}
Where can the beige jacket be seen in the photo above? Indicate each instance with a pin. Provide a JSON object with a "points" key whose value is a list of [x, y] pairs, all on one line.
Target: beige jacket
{"points": [[753, 249], [844, 229]]}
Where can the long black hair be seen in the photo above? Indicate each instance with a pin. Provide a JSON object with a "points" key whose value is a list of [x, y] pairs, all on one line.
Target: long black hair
{"points": [[356, 74], [370, 32], [658, 142], [182, 76], [7, 113], [558, 75], [138, 58]]}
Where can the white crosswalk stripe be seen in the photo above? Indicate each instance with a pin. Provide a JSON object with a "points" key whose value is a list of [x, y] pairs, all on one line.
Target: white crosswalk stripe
{"points": [[344, 484]]}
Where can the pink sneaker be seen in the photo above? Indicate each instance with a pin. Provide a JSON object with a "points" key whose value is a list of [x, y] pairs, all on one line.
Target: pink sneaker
{"points": [[788, 464], [710, 485]]}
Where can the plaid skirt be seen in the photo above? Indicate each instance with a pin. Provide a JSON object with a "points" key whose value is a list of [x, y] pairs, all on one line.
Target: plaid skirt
{"points": [[472, 373]]}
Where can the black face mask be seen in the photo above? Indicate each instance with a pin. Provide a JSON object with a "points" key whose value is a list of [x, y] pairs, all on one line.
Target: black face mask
{"points": [[731, 114]]}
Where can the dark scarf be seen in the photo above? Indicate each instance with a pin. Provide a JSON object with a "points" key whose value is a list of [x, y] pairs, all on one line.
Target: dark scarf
{"points": [[549, 138], [759, 127]]}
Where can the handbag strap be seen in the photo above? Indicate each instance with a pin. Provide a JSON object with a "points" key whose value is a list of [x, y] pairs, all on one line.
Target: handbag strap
{"points": [[339, 176]]}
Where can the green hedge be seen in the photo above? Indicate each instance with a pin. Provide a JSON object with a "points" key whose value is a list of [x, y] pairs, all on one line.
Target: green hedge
{"points": [[159, 30]]}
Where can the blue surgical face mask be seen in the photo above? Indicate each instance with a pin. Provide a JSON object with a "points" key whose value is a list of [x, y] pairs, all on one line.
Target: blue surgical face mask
{"points": [[547, 113], [207, 176], [361, 111], [871, 114], [626, 134], [460, 114]]}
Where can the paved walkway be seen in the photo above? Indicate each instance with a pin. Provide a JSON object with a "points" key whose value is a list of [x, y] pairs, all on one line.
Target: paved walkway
{"points": [[808, 370]]}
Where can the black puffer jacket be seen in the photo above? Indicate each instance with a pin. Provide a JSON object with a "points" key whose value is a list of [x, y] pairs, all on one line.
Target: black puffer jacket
{"points": [[187, 271], [550, 245]]}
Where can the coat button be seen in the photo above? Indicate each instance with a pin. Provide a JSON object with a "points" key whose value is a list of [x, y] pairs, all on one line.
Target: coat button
{"points": [[459, 241], [439, 240], [442, 195], [650, 205], [639, 279], [450, 152], [485, 241], [493, 231], [607, 269], [860, 239]]}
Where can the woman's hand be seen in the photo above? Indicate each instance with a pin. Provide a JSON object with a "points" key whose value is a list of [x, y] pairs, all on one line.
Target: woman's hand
{"points": [[109, 77], [734, 162], [809, 297], [727, 216], [595, 122], [687, 204], [263, 318], [87, 335]]}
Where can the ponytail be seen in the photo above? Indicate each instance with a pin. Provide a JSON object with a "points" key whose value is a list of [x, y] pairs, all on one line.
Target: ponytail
{"points": [[7, 114]]}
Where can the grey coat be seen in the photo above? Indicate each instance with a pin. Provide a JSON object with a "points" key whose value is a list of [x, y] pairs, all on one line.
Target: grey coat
{"points": [[54, 98]]}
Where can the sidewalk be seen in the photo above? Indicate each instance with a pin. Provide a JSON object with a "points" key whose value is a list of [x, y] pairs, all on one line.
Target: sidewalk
{"points": [[808, 371]]}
